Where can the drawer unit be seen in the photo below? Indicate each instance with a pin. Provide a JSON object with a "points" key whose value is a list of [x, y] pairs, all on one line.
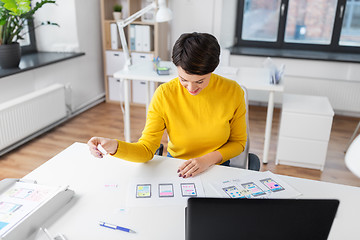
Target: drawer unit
{"points": [[305, 128], [301, 125], [302, 152], [139, 88], [116, 91], [115, 61]]}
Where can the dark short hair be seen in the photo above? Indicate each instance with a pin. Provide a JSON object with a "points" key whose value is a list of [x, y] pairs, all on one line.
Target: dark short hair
{"points": [[196, 53]]}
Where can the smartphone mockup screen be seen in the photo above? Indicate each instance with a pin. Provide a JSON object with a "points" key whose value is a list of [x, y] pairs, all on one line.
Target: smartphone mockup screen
{"points": [[188, 190], [272, 185], [143, 190], [233, 192], [166, 190], [255, 190]]}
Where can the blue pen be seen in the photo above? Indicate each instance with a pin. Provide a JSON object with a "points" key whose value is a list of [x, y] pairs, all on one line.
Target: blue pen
{"points": [[115, 227]]}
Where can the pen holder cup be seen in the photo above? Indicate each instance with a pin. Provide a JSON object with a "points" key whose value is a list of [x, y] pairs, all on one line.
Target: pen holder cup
{"points": [[156, 63]]}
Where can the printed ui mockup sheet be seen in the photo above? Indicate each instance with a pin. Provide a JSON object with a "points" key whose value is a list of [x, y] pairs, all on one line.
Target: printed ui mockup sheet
{"points": [[174, 191], [20, 200], [258, 185]]}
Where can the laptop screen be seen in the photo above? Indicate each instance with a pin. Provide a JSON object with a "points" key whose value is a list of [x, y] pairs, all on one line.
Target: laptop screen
{"points": [[222, 218]]}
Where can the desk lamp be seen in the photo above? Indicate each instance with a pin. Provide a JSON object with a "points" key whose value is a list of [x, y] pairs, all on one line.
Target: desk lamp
{"points": [[352, 157], [163, 14]]}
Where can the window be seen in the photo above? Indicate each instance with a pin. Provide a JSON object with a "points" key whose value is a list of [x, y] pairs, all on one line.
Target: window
{"points": [[324, 25], [350, 31], [267, 28], [310, 21], [28, 44]]}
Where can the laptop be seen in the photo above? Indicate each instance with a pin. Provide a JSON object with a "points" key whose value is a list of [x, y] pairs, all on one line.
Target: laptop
{"points": [[226, 218]]}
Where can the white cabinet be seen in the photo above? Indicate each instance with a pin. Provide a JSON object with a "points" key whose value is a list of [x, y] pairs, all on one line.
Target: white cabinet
{"points": [[139, 88], [305, 127], [116, 90], [115, 61], [152, 37]]}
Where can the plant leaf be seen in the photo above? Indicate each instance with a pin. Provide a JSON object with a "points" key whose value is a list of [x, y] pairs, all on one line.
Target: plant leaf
{"points": [[38, 5], [17, 7]]}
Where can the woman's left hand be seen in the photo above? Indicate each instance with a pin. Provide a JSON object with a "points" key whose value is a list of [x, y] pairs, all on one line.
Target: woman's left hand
{"points": [[194, 166]]}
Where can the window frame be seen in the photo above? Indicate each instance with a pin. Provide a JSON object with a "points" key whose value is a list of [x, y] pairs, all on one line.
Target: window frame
{"points": [[281, 44], [31, 48]]}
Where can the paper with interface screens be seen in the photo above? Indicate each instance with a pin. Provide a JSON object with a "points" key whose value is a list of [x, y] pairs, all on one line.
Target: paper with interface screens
{"points": [[163, 191], [20, 200], [256, 185]]}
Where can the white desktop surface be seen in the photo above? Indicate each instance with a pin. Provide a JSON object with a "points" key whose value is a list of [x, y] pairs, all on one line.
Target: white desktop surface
{"points": [[86, 175], [251, 78], [144, 71]]}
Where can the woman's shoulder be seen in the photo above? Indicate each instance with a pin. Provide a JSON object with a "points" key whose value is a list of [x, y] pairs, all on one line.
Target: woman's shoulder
{"points": [[170, 86], [228, 84]]}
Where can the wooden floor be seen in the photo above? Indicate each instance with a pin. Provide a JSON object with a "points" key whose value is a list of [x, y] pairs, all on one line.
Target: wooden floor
{"points": [[106, 120]]}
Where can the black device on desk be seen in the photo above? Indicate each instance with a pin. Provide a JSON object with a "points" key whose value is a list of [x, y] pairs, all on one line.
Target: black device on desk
{"points": [[223, 218]]}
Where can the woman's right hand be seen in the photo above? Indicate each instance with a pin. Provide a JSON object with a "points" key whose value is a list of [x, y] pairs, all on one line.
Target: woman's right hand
{"points": [[110, 146]]}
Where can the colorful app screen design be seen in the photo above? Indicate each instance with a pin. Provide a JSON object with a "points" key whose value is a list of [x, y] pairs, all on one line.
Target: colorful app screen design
{"points": [[21, 193], [233, 192], [8, 207], [143, 190], [188, 190], [3, 224], [255, 190], [166, 190], [272, 185]]}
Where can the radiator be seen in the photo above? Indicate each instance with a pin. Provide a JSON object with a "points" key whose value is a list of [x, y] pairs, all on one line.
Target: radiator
{"points": [[28, 114]]}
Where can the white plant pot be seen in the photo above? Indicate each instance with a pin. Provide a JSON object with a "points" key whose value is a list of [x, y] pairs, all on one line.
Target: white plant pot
{"points": [[117, 15]]}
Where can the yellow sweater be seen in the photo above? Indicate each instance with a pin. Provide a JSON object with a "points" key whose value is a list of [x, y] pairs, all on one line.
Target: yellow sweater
{"points": [[213, 120]]}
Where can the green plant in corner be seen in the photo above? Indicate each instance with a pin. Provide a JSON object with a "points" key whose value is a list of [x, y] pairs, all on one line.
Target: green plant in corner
{"points": [[13, 18], [117, 8]]}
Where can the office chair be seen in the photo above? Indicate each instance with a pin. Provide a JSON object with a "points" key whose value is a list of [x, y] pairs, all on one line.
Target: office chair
{"points": [[160, 150], [245, 160]]}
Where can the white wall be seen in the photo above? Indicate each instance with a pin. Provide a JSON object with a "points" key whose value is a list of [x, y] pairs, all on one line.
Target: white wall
{"points": [[217, 17], [80, 30], [53, 38], [191, 16], [339, 81]]}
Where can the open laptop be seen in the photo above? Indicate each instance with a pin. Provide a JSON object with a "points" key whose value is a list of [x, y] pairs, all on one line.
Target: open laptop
{"points": [[225, 218]]}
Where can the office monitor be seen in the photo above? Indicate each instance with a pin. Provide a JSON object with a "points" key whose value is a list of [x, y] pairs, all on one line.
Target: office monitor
{"points": [[223, 218]]}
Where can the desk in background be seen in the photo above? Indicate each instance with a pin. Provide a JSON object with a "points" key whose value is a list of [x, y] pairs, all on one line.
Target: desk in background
{"points": [[87, 175], [258, 79], [251, 78]]}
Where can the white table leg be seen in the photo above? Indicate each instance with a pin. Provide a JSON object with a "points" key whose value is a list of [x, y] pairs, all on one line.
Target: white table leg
{"points": [[269, 118], [126, 110]]}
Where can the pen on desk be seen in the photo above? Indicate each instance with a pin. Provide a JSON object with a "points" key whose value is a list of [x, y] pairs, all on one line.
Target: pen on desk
{"points": [[115, 227]]}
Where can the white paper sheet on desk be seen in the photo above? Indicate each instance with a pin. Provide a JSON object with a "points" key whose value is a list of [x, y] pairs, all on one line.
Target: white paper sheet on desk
{"points": [[155, 199], [261, 184]]}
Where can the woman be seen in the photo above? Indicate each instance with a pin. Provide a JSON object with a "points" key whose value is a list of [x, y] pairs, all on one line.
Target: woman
{"points": [[204, 113]]}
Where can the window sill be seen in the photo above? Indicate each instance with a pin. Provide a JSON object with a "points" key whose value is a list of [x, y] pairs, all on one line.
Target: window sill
{"points": [[296, 54], [35, 60]]}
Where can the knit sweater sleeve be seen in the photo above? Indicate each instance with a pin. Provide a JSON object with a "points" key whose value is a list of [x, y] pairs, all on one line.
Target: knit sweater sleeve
{"points": [[144, 149], [238, 135]]}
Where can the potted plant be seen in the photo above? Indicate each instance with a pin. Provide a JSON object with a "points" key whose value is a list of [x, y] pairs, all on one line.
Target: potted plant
{"points": [[117, 11], [13, 18]]}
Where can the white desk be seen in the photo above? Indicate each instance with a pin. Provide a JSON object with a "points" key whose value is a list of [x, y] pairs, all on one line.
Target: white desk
{"points": [[142, 71], [87, 175], [251, 78], [259, 79]]}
